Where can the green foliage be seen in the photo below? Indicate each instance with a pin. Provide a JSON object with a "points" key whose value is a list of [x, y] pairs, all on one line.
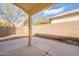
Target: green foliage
{"points": [[37, 22], [41, 19], [5, 24]]}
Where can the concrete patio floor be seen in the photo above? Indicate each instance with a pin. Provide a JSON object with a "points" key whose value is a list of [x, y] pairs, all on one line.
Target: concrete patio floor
{"points": [[40, 47]]}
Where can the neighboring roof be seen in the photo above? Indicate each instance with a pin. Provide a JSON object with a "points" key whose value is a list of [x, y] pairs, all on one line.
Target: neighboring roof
{"points": [[32, 8], [66, 14]]}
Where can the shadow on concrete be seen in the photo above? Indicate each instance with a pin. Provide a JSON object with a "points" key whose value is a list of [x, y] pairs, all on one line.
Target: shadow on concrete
{"points": [[65, 39]]}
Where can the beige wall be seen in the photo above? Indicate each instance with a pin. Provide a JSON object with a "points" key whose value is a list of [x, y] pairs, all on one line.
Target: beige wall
{"points": [[68, 26], [23, 30], [63, 29], [66, 19]]}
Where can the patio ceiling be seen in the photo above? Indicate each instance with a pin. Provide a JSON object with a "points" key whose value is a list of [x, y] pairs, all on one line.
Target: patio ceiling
{"points": [[32, 8]]}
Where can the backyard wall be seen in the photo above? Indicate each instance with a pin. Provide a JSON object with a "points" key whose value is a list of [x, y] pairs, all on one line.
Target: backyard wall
{"points": [[5, 31], [69, 26], [22, 30]]}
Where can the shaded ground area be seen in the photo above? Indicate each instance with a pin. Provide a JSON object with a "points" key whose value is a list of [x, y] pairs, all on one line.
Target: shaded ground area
{"points": [[40, 47], [65, 39]]}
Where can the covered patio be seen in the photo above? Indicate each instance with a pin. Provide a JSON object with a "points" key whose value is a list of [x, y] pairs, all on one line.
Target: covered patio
{"points": [[34, 45]]}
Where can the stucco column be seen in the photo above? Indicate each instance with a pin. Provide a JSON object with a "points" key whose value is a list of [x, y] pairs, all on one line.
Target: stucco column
{"points": [[30, 30]]}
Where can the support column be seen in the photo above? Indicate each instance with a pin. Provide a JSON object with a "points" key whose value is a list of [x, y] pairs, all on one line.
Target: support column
{"points": [[30, 30]]}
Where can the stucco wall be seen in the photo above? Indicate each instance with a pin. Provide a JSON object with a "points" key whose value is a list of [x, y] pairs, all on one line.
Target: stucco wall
{"points": [[65, 19], [68, 26], [62, 29], [23, 30]]}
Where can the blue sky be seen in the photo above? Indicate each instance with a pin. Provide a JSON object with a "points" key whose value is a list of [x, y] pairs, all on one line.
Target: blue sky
{"points": [[66, 6], [57, 9]]}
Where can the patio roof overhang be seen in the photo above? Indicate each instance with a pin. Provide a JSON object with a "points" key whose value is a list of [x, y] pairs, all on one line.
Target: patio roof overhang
{"points": [[31, 9]]}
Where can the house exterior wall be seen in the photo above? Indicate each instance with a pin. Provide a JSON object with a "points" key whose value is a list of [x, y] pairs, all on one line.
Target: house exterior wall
{"points": [[66, 19]]}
